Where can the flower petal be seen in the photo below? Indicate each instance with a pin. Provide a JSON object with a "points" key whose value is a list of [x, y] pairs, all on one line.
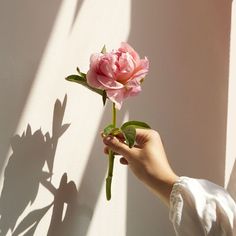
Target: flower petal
{"points": [[126, 67], [107, 65], [92, 79], [125, 47], [142, 69], [94, 60], [117, 96], [109, 83], [134, 91]]}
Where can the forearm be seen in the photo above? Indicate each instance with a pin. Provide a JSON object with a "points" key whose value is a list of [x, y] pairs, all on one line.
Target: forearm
{"points": [[163, 187]]}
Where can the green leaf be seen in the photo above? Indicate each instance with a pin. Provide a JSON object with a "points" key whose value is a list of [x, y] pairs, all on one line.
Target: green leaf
{"points": [[129, 133], [136, 124], [81, 74], [107, 130], [116, 131], [78, 70], [104, 50], [82, 81], [110, 129], [141, 81], [76, 78], [104, 97]]}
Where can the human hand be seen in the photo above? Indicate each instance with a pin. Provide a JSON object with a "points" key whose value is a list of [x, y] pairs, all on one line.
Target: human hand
{"points": [[147, 160]]}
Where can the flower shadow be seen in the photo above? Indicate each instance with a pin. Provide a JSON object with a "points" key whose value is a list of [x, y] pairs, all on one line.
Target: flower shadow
{"points": [[32, 152], [24, 40], [66, 211], [76, 13]]}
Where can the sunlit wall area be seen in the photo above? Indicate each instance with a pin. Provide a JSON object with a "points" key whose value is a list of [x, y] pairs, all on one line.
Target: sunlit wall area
{"points": [[53, 183]]}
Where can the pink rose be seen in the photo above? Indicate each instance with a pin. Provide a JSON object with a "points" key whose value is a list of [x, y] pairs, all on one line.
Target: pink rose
{"points": [[119, 73]]}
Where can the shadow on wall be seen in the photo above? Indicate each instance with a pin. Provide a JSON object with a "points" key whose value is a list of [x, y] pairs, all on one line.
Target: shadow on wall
{"points": [[25, 171], [184, 96], [23, 174], [25, 28], [93, 178], [22, 44]]}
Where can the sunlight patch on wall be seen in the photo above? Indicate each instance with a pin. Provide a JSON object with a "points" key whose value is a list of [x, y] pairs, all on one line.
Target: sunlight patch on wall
{"points": [[95, 24], [119, 198], [81, 28]]}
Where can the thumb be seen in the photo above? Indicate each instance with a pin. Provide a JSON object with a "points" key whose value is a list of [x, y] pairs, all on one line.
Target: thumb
{"points": [[116, 146]]}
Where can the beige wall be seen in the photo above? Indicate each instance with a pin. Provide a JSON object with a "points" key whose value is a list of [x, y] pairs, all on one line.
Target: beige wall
{"points": [[184, 97], [230, 167]]}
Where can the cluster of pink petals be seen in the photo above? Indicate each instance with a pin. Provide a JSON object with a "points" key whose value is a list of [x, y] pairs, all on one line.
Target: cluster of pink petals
{"points": [[119, 72]]}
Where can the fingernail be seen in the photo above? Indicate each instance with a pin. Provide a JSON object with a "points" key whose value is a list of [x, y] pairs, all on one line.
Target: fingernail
{"points": [[108, 139]]}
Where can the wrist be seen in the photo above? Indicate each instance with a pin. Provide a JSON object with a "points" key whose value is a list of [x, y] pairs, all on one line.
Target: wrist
{"points": [[163, 187]]}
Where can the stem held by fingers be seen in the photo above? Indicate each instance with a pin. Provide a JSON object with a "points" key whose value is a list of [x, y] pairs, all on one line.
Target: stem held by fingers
{"points": [[109, 176], [111, 159]]}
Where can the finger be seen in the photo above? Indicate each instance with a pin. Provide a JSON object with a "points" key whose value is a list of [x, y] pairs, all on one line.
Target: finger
{"points": [[145, 135], [115, 145], [106, 150], [123, 161], [119, 136]]}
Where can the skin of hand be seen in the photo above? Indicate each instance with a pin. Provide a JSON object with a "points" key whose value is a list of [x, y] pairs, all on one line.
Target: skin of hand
{"points": [[147, 160]]}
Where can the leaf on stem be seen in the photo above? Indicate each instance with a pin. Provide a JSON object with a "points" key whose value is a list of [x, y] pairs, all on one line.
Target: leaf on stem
{"points": [[83, 75], [136, 124], [104, 50], [104, 97], [78, 70], [111, 130], [129, 133], [82, 81], [116, 131], [107, 130], [76, 78]]}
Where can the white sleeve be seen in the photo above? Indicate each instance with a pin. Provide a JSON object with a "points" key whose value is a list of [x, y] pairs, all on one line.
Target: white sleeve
{"points": [[200, 207]]}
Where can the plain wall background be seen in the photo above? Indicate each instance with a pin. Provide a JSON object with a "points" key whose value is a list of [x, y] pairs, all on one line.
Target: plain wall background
{"points": [[49, 141]]}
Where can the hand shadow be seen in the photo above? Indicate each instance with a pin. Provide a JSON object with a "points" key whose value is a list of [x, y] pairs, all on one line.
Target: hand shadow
{"points": [[24, 172]]}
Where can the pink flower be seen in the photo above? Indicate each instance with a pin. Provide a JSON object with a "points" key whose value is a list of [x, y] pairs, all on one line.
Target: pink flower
{"points": [[119, 72]]}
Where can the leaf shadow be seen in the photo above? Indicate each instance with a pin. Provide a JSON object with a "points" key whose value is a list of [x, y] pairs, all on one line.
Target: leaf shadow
{"points": [[66, 211], [24, 172], [76, 13]]}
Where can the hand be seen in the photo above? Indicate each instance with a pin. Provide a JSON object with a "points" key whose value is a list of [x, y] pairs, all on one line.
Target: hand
{"points": [[147, 160]]}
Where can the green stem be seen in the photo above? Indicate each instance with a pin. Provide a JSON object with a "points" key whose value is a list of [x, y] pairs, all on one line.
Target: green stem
{"points": [[111, 159], [114, 115]]}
